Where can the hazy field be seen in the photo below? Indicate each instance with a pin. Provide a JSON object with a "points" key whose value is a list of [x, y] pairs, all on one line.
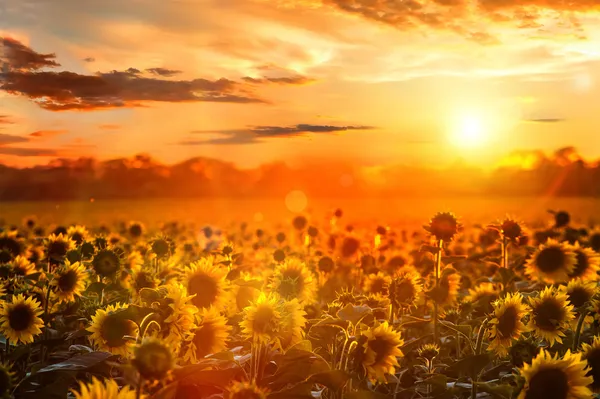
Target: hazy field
{"points": [[393, 211]]}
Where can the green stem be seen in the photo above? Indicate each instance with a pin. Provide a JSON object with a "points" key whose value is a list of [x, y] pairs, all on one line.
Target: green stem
{"points": [[46, 324], [478, 347], [138, 391], [577, 336], [438, 268], [504, 252]]}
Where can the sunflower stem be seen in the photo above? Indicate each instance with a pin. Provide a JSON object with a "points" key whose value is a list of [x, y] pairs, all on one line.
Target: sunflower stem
{"points": [[438, 267], [138, 391], [480, 335], [504, 252], [46, 325], [577, 336]]}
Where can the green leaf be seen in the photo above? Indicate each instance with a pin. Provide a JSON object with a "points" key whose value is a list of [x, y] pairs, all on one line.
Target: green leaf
{"points": [[304, 345], [411, 345], [225, 355], [437, 380], [453, 259], [79, 363], [465, 330], [354, 314], [503, 391], [298, 391], [294, 367], [96, 287], [149, 295], [332, 379], [470, 366], [168, 392], [134, 313], [214, 378]]}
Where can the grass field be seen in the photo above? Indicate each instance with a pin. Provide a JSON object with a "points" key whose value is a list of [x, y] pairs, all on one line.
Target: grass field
{"points": [[404, 211]]}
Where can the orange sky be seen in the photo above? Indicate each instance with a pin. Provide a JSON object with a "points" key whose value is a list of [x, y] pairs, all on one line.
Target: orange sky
{"points": [[254, 81]]}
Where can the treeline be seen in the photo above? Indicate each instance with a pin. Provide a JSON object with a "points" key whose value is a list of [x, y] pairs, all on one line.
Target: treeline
{"points": [[562, 174]]}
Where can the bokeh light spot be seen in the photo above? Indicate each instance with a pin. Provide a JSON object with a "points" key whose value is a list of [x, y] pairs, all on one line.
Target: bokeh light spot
{"points": [[296, 201]]}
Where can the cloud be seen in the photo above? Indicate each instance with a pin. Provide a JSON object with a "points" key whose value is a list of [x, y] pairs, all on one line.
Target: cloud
{"points": [[109, 126], [47, 133], [60, 91], [28, 152], [254, 134], [163, 72], [5, 120], [291, 80], [6, 139], [545, 120], [89, 59], [20, 57]]}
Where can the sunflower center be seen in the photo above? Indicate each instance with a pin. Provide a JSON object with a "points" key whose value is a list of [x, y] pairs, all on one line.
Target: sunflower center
{"points": [[382, 349], [206, 289], [10, 245], [106, 263], [57, 249], [395, 263], [20, 317], [77, 237], [507, 322], [379, 286], [153, 360], [113, 329], [578, 297], [548, 315], [67, 281], [264, 322], [551, 259], [593, 360], [582, 264], [548, 384], [511, 229], [404, 291], [204, 340], [292, 284]]}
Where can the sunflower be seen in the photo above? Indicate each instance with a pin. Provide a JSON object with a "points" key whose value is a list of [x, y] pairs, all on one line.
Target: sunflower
{"points": [[381, 350], [107, 389], [579, 293], [263, 319], [429, 351], [243, 291], [446, 292], [591, 354], [11, 245], [444, 226], [209, 337], [109, 329], [511, 229], [552, 262], [7, 380], [377, 284], [551, 314], [587, 263], [141, 278], [19, 319], [57, 247], [556, 378], [406, 287], [594, 239], [245, 390], [181, 315], [106, 263], [294, 321], [162, 246], [21, 266], [153, 359], [136, 230], [292, 279], [69, 281], [78, 234], [207, 282], [507, 323], [482, 296]]}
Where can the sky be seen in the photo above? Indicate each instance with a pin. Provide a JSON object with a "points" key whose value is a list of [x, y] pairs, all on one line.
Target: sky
{"points": [[256, 81]]}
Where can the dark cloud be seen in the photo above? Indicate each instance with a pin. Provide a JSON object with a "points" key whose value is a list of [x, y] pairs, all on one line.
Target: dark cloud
{"points": [[545, 120], [254, 134], [20, 57], [28, 152], [5, 120], [89, 59], [47, 133], [6, 139], [291, 80], [59, 91], [163, 72]]}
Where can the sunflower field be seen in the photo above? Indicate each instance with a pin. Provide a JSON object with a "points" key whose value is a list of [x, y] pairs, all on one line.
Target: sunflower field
{"points": [[304, 309]]}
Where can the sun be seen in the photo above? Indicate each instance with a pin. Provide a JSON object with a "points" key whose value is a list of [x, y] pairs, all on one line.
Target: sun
{"points": [[469, 131]]}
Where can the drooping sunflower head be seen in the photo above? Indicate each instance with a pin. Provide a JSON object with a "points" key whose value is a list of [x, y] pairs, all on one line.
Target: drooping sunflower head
{"points": [[7, 380], [594, 239], [106, 263], [78, 234], [153, 359], [107, 389], [209, 337], [429, 351], [57, 247], [207, 282], [551, 314], [142, 277], [381, 351], [579, 293], [523, 351], [347, 297], [326, 265], [20, 319], [69, 281], [21, 266], [244, 291], [552, 262], [263, 319], [443, 226], [507, 322], [587, 264], [162, 246], [11, 245], [377, 284], [293, 279], [406, 288], [110, 330], [555, 377], [591, 354], [561, 219], [245, 390], [447, 290]]}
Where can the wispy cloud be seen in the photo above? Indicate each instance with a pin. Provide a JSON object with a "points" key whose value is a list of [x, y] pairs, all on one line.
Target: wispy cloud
{"points": [[47, 133], [28, 152], [254, 134], [545, 120]]}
